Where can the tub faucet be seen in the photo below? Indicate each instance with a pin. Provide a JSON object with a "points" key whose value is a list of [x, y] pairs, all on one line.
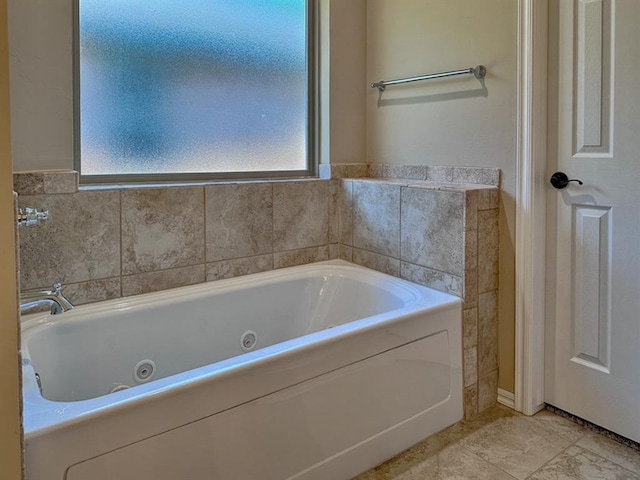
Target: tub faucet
{"points": [[53, 298]]}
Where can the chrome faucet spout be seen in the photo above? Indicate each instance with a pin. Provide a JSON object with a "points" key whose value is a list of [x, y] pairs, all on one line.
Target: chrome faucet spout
{"points": [[53, 298]]}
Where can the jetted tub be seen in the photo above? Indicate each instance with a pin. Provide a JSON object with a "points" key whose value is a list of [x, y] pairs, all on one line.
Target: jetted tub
{"points": [[313, 372]]}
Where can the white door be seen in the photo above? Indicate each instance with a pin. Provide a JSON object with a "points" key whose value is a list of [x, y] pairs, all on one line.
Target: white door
{"points": [[592, 334]]}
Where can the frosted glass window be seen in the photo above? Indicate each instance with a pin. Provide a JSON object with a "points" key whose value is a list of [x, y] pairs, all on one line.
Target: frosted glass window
{"points": [[192, 86]]}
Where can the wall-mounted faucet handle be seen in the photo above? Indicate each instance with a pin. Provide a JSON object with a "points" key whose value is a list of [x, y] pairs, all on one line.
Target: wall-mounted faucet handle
{"points": [[28, 216]]}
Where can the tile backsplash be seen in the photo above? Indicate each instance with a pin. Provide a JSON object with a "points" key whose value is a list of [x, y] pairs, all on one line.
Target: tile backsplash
{"points": [[437, 226], [103, 244]]}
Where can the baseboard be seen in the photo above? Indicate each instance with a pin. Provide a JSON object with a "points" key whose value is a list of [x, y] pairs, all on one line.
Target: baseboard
{"points": [[507, 399]]}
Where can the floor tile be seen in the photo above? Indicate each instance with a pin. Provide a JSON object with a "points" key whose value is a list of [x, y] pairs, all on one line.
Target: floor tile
{"points": [[501, 444], [419, 462], [612, 451], [580, 464], [458, 463], [560, 425], [516, 445]]}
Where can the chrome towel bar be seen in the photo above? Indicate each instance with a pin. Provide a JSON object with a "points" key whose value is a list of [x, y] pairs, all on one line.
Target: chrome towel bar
{"points": [[479, 72]]}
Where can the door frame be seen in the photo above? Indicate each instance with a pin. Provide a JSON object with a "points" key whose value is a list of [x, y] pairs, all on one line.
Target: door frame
{"points": [[533, 26]]}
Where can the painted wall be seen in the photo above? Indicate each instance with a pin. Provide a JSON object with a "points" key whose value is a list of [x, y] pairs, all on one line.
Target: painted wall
{"points": [[454, 121], [40, 33], [347, 81], [10, 436]]}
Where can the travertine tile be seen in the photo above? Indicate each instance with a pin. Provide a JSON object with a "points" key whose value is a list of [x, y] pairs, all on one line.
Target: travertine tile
{"points": [[60, 182], [353, 170], [92, 291], [579, 463], [239, 220], [467, 427], [300, 215], [468, 175], [432, 229], [471, 401], [418, 462], [345, 211], [477, 175], [346, 253], [470, 288], [28, 183], [162, 280], [471, 210], [343, 170], [435, 462], [470, 366], [456, 462], [487, 332], [488, 198], [335, 188], [376, 170], [491, 176], [162, 228], [470, 249], [238, 266], [410, 172], [515, 445], [334, 251], [438, 173], [560, 426], [381, 263], [376, 217], [612, 451], [45, 182], [300, 257], [488, 250], [79, 242], [487, 390], [470, 327], [431, 278]]}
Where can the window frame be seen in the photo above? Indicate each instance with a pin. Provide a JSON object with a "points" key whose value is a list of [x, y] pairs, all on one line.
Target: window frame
{"points": [[313, 123]]}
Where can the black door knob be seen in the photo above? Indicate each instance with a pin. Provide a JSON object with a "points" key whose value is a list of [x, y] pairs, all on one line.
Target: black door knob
{"points": [[560, 180]]}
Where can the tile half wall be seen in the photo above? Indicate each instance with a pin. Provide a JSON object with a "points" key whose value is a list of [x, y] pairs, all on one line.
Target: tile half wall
{"points": [[436, 226]]}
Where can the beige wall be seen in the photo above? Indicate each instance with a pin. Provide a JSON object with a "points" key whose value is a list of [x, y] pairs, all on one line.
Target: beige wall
{"points": [[10, 436], [347, 80], [453, 121], [40, 36]]}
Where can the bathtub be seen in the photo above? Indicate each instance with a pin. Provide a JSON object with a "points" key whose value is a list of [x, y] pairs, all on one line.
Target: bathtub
{"points": [[314, 372]]}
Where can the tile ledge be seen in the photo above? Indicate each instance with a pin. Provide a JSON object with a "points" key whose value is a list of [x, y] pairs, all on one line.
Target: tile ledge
{"points": [[426, 184]]}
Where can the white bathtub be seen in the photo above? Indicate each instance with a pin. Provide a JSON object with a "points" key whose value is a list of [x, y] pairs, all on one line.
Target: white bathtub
{"points": [[350, 367]]}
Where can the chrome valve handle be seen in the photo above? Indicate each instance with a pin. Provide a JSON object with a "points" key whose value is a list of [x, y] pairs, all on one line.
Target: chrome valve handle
{"points": [[28, 217]]}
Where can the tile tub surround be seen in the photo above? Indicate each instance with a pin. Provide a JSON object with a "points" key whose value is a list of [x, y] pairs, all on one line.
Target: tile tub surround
{"points": [[500, 444], [107, 243], [431, 173], [444, 236]]}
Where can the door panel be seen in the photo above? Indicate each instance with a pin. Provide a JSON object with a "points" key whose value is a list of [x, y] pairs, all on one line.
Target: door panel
{"points": [[592, 359]]}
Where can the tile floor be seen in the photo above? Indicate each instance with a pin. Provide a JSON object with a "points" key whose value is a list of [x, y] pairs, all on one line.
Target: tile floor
{"points": [[501, 444]]}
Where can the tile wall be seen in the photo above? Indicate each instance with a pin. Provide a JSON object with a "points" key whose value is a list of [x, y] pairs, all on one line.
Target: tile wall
{"points": [[442, 235], [437, 226]]}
